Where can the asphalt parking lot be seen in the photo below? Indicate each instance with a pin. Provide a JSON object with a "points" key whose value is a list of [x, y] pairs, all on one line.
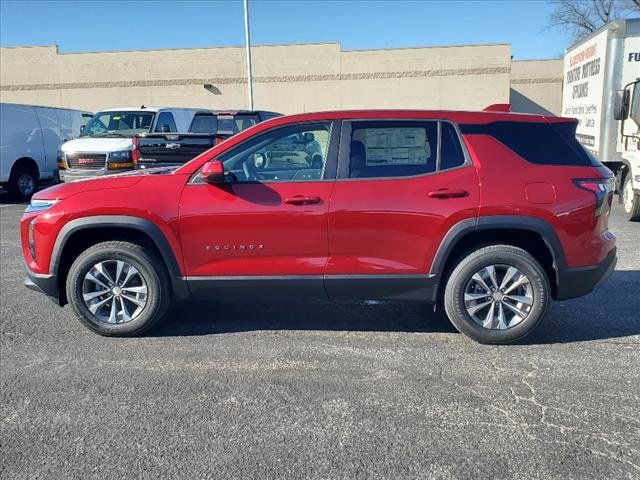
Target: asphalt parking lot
{"points": [[321, 390]]}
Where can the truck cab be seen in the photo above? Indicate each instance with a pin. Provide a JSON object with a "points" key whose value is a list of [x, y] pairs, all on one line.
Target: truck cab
{"points": [[600, 89], [627, 113], [207, 129], [105, 145]]}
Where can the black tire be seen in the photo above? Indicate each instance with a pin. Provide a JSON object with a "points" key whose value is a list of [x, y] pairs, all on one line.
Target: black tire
{"points": [[631, 202], [151, 269], [23, 182], [505, 255]]}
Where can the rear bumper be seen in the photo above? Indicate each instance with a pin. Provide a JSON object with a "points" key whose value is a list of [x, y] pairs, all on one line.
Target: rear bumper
{"points": [[47, 284], [576, 282]]}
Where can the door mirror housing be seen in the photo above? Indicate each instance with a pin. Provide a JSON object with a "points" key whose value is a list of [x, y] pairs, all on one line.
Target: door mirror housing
{"points": [[621, 104], [212, 172]]}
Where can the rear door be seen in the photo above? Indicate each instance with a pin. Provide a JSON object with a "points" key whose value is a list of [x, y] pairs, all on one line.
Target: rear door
{"points": [[401, 186], [52, 138]]}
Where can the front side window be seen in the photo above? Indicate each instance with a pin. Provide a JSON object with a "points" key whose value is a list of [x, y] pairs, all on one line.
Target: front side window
{"points": [[393, 149], [634, 111], [295, 153], [118, 124], [166, 123]]}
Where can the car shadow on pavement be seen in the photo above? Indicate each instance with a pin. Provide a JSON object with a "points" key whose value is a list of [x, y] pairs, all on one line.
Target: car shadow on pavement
{"points": [[612, 311], [203, 318]]}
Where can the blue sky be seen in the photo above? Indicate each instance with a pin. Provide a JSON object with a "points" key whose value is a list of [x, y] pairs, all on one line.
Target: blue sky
{"points": [[124, 25]]}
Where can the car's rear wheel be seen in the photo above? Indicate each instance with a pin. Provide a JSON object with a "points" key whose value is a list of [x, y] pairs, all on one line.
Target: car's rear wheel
{"points": [[497, 294], [118, 288], [630, 200], [22, 183]]}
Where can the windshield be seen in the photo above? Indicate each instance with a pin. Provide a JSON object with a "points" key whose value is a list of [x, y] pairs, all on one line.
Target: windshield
{"points": [[118, 124], [222, 124]]}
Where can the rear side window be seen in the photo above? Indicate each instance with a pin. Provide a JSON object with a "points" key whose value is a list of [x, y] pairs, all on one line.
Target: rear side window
{"points": [[539, 143], [166, 123], [205, 123], [223, 124], [393, 149], [451, 154]]}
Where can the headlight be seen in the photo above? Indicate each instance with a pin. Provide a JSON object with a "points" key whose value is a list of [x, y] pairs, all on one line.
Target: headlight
{"points": [[32, 242], [40, 205], [120, 159], [121, 155]]}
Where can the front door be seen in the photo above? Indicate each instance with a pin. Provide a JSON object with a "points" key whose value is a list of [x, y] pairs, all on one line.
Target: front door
{"points": [[401, 185], [267, 226]]}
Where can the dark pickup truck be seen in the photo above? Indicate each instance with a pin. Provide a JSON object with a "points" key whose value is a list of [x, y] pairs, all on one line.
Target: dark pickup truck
{"points": [[207, 129]]}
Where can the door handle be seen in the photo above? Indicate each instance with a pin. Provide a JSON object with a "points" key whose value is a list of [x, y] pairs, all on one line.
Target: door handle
{"points": [[302, 200], [448, 193]]}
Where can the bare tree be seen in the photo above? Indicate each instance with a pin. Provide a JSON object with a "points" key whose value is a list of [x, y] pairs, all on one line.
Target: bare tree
{"points": [[581, 17]]}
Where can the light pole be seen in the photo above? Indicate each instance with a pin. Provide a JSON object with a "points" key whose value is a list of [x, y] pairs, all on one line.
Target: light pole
{"points": [[247, 42]]}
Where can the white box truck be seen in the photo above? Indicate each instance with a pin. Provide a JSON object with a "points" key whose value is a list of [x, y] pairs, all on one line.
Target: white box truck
{"points": [[30, 136], [601, 74]]}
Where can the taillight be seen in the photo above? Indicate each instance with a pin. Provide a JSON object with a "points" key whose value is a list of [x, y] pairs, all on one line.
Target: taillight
{"points": [[602, 188], [135, 153]]}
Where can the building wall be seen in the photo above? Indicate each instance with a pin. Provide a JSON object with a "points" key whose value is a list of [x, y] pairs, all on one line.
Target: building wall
{"points": [[536, 86], [287, 78]]}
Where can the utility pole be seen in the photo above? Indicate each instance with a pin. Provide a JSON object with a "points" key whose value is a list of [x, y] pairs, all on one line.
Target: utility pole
{"points": [[247, 41]]}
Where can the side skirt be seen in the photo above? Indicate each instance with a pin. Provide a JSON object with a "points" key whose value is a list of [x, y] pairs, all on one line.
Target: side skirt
{"points": [[339, 287]]}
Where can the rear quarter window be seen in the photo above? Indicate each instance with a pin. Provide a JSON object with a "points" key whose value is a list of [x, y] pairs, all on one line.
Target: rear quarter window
{"points": [[538, 143]]}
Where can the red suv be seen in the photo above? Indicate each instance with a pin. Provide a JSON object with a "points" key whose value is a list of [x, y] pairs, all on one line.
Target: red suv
{"points": [[490, 214]]}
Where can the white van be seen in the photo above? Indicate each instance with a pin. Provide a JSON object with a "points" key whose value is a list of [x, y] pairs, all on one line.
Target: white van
{"points": [[30, 137], [106, 144]]}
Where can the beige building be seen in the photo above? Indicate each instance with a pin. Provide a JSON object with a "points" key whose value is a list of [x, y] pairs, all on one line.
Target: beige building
{"points": [[287, 78]]}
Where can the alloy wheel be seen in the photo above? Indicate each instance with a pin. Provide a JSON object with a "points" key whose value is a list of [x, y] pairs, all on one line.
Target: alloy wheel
{"points": [[114, 291], [498, 297]]}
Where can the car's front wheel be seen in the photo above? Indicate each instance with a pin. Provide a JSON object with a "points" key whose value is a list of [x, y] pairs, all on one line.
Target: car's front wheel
{"points": [[630, 200], [118, 288], [497, 294]]}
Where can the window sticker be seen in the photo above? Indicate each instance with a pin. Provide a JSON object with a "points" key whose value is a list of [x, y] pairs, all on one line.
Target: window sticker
{"points": [[396, 146]]}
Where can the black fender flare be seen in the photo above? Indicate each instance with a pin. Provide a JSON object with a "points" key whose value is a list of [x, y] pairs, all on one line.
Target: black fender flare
{"points": [[135, 223], [499, 222]]}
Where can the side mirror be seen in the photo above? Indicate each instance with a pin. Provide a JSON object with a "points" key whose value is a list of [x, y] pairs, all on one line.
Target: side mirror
{"points": [[621, 104], [81, 128], [212, 172], [165, 129]]}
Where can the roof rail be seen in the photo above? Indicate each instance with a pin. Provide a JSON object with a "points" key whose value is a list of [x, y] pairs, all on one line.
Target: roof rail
{"points": [[498, 107]]}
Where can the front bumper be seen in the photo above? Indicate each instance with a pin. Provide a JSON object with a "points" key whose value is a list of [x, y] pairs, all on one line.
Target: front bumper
{"points": [[47, 284], [579, 281], [70, 175]]}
